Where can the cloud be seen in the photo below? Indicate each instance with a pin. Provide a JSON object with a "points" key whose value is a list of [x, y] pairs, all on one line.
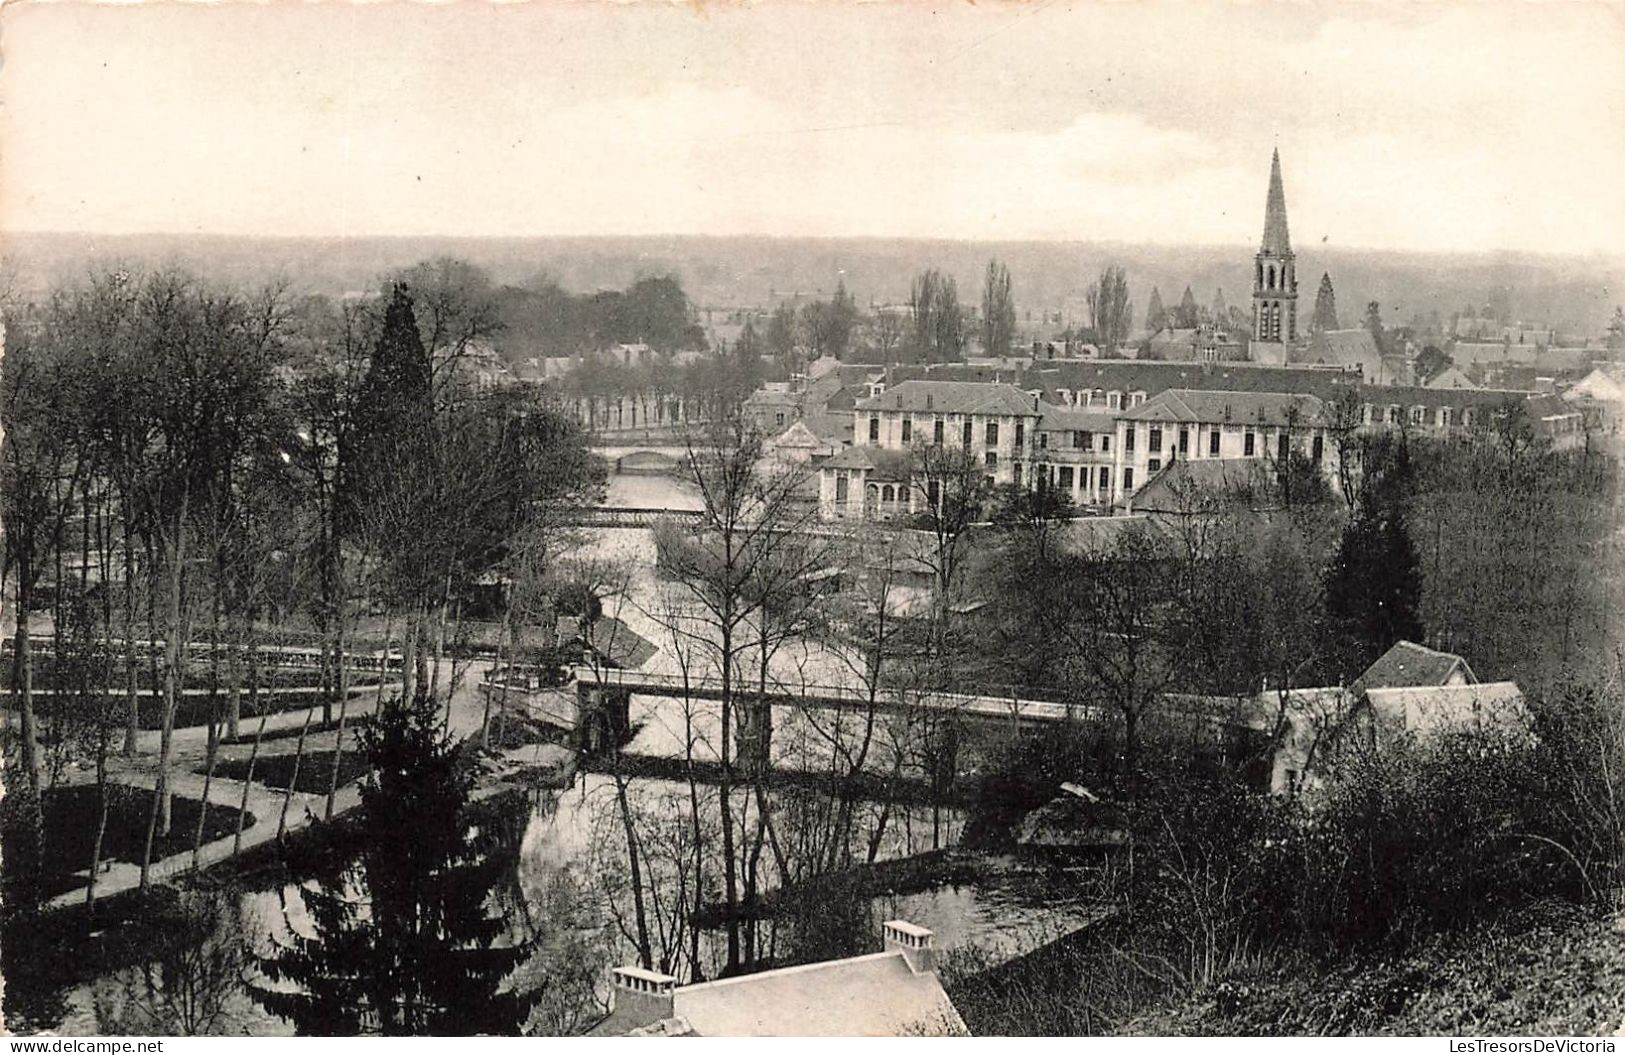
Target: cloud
{"points": [[1450, 126]]}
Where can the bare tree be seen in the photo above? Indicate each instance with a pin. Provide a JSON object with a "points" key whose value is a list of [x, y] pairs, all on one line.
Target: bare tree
{"points": [[938, 320], [949, 485], [998, 310], [1110, 310], [751, 512]]}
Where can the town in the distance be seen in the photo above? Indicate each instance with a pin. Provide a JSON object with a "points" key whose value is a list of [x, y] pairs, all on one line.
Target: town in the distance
{"points": [[468, 655]]}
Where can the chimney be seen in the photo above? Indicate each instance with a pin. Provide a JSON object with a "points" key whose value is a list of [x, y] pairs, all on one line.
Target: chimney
{"points": [[641, 997], [914, 942]]}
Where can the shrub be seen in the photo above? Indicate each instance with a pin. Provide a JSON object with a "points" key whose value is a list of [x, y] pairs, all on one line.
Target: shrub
{"points": [[1418, 838], [1580, 757], [1214, 876]]}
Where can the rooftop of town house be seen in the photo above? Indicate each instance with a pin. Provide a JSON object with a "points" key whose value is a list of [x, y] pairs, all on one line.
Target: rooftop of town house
{"points": [[830, 424], [952, 397], [1547, 406], [847, 372], [1271, 409], [774, 394], [1344, 348], [610, 638], [800, 437], [883, 465], [1408, 395], [1408, 665], [1450, 378], [982, 373], [1488, 353]]}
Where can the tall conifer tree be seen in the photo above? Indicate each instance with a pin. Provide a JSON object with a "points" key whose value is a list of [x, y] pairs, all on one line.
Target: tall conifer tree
{"points": [[1325, 317]]}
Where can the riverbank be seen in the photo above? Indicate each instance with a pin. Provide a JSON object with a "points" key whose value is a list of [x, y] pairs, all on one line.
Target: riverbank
{"points": [[54, 958], [902, 875]]}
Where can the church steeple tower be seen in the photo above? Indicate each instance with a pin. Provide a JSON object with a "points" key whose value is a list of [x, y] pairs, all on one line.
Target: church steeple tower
{"points": [[1275, 271]]}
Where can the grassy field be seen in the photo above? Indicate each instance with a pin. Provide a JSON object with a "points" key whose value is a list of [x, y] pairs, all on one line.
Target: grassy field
{"points": [[315, 770]]}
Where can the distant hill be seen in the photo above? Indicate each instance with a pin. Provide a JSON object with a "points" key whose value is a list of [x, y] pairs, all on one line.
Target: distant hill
{"points": [[1572, 294]]}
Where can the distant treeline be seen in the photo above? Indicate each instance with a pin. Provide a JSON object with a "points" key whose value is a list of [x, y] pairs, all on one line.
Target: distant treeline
{"points": [[542, 318], [1569, 293]]}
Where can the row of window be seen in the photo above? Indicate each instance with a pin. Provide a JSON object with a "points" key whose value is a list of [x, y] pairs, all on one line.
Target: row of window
{"points": [[1088, 478], [1249, 447], [990, 433], [1394, 414], [1113, 400]]}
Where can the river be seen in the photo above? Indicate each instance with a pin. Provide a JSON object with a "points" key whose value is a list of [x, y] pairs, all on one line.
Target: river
{"points": [[565, 888]]}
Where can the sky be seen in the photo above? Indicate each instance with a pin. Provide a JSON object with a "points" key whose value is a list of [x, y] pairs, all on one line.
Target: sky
{"points": [[1412, 126]]}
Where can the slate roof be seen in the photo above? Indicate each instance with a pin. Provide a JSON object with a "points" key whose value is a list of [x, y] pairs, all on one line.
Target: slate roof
{"points": [[1101, 534], [1414, 395], [1605, 382], [852, 458], [1469, 353], [1206, 482], [620, 644], [1408, 664], [1153, 376], [830, 425], [1270, 409], [798, 437], [1450, 377], [1355, 347], [952, 397], [882, 465], [982, 372], [772, 397], [1173, 343]]}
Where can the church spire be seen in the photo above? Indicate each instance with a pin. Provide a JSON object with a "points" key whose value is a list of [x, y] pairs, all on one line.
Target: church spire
{"points": [[1275, 277], [1276, 239]]}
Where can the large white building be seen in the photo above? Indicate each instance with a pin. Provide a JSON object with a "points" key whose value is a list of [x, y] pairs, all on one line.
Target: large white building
{"points": [[872, 479], [1099, 455], [1189, 424], [997, 421]]}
